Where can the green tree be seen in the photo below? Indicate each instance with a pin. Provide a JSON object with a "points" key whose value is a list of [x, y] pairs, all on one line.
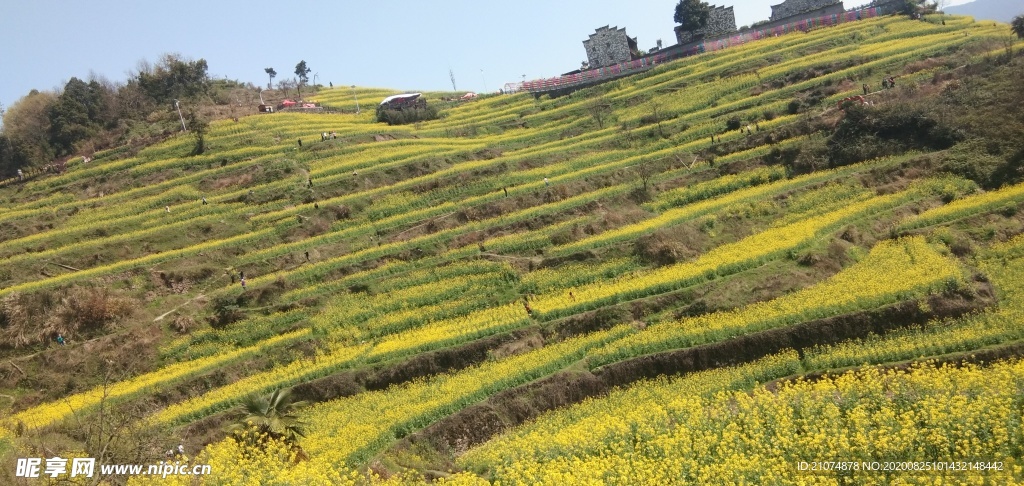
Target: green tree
{"points": [[1017, 25], [692, 15], [27, 126], [911, 7], [198, 127], [270, 72], [302, 71], [75, 115], [275, 416], [174, 78]]}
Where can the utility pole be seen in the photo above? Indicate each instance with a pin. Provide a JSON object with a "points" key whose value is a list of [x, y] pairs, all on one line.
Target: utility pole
{"points": [[483, 79], [452, 76], [355, 98], [180, 117]]}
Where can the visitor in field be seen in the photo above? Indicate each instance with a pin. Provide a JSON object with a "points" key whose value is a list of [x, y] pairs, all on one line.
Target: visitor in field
{"points": [[309, 182], [864, 87], [546, 183], [300, 142], [204, 201], [307, 255], [21, 175], [243, 283], [60, 339], [167, 209]]}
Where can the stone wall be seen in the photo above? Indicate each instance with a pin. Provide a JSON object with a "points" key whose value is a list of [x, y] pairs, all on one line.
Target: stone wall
{"points": [[608, 46], [790, 8], [721, 21]]}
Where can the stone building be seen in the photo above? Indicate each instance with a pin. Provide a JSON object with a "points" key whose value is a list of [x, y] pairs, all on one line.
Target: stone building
{"points": [[608, 46], [721, 21], [806, 8]]}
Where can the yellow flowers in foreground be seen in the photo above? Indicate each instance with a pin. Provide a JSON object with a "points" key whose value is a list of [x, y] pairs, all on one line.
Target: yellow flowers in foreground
{"points": [[666, 431], [343, 434]]}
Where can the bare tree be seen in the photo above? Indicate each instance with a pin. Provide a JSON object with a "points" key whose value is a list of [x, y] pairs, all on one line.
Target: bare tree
{"points": [[109, 433], [655, 108], [600, 110]]}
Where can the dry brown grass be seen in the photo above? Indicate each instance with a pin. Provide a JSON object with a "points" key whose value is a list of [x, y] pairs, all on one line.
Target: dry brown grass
{"points": [[34, 318]]}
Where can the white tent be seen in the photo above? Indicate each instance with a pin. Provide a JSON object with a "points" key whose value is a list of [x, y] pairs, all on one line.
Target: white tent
{"points": [[400, 97]]}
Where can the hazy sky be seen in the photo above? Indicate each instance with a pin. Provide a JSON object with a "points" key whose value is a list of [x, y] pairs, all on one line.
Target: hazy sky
{"points": [[387, 43]]}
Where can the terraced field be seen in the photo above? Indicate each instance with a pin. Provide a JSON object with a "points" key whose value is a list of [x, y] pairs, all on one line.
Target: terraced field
{"points": [[667, 277]]}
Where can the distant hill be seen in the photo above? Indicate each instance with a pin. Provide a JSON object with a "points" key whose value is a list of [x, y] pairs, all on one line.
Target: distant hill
{"points": [[1001, 10]]}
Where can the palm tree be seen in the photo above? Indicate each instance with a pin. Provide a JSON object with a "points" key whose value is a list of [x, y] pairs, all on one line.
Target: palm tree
{"points": [[275, 416], [1017, 25]]}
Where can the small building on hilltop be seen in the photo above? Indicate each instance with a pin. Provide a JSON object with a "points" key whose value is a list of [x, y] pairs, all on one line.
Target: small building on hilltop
{"points": [[608, 46], [796, 10], [721, 21]]}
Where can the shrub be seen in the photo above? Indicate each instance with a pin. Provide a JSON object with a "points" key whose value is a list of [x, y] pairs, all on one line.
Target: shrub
{"points": [[869, 132], [793, 107], [734, 123], [407, 115]]}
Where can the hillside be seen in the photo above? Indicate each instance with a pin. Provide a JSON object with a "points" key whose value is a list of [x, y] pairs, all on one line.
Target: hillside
{"points": [[707, 272], [1000, 10]]}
